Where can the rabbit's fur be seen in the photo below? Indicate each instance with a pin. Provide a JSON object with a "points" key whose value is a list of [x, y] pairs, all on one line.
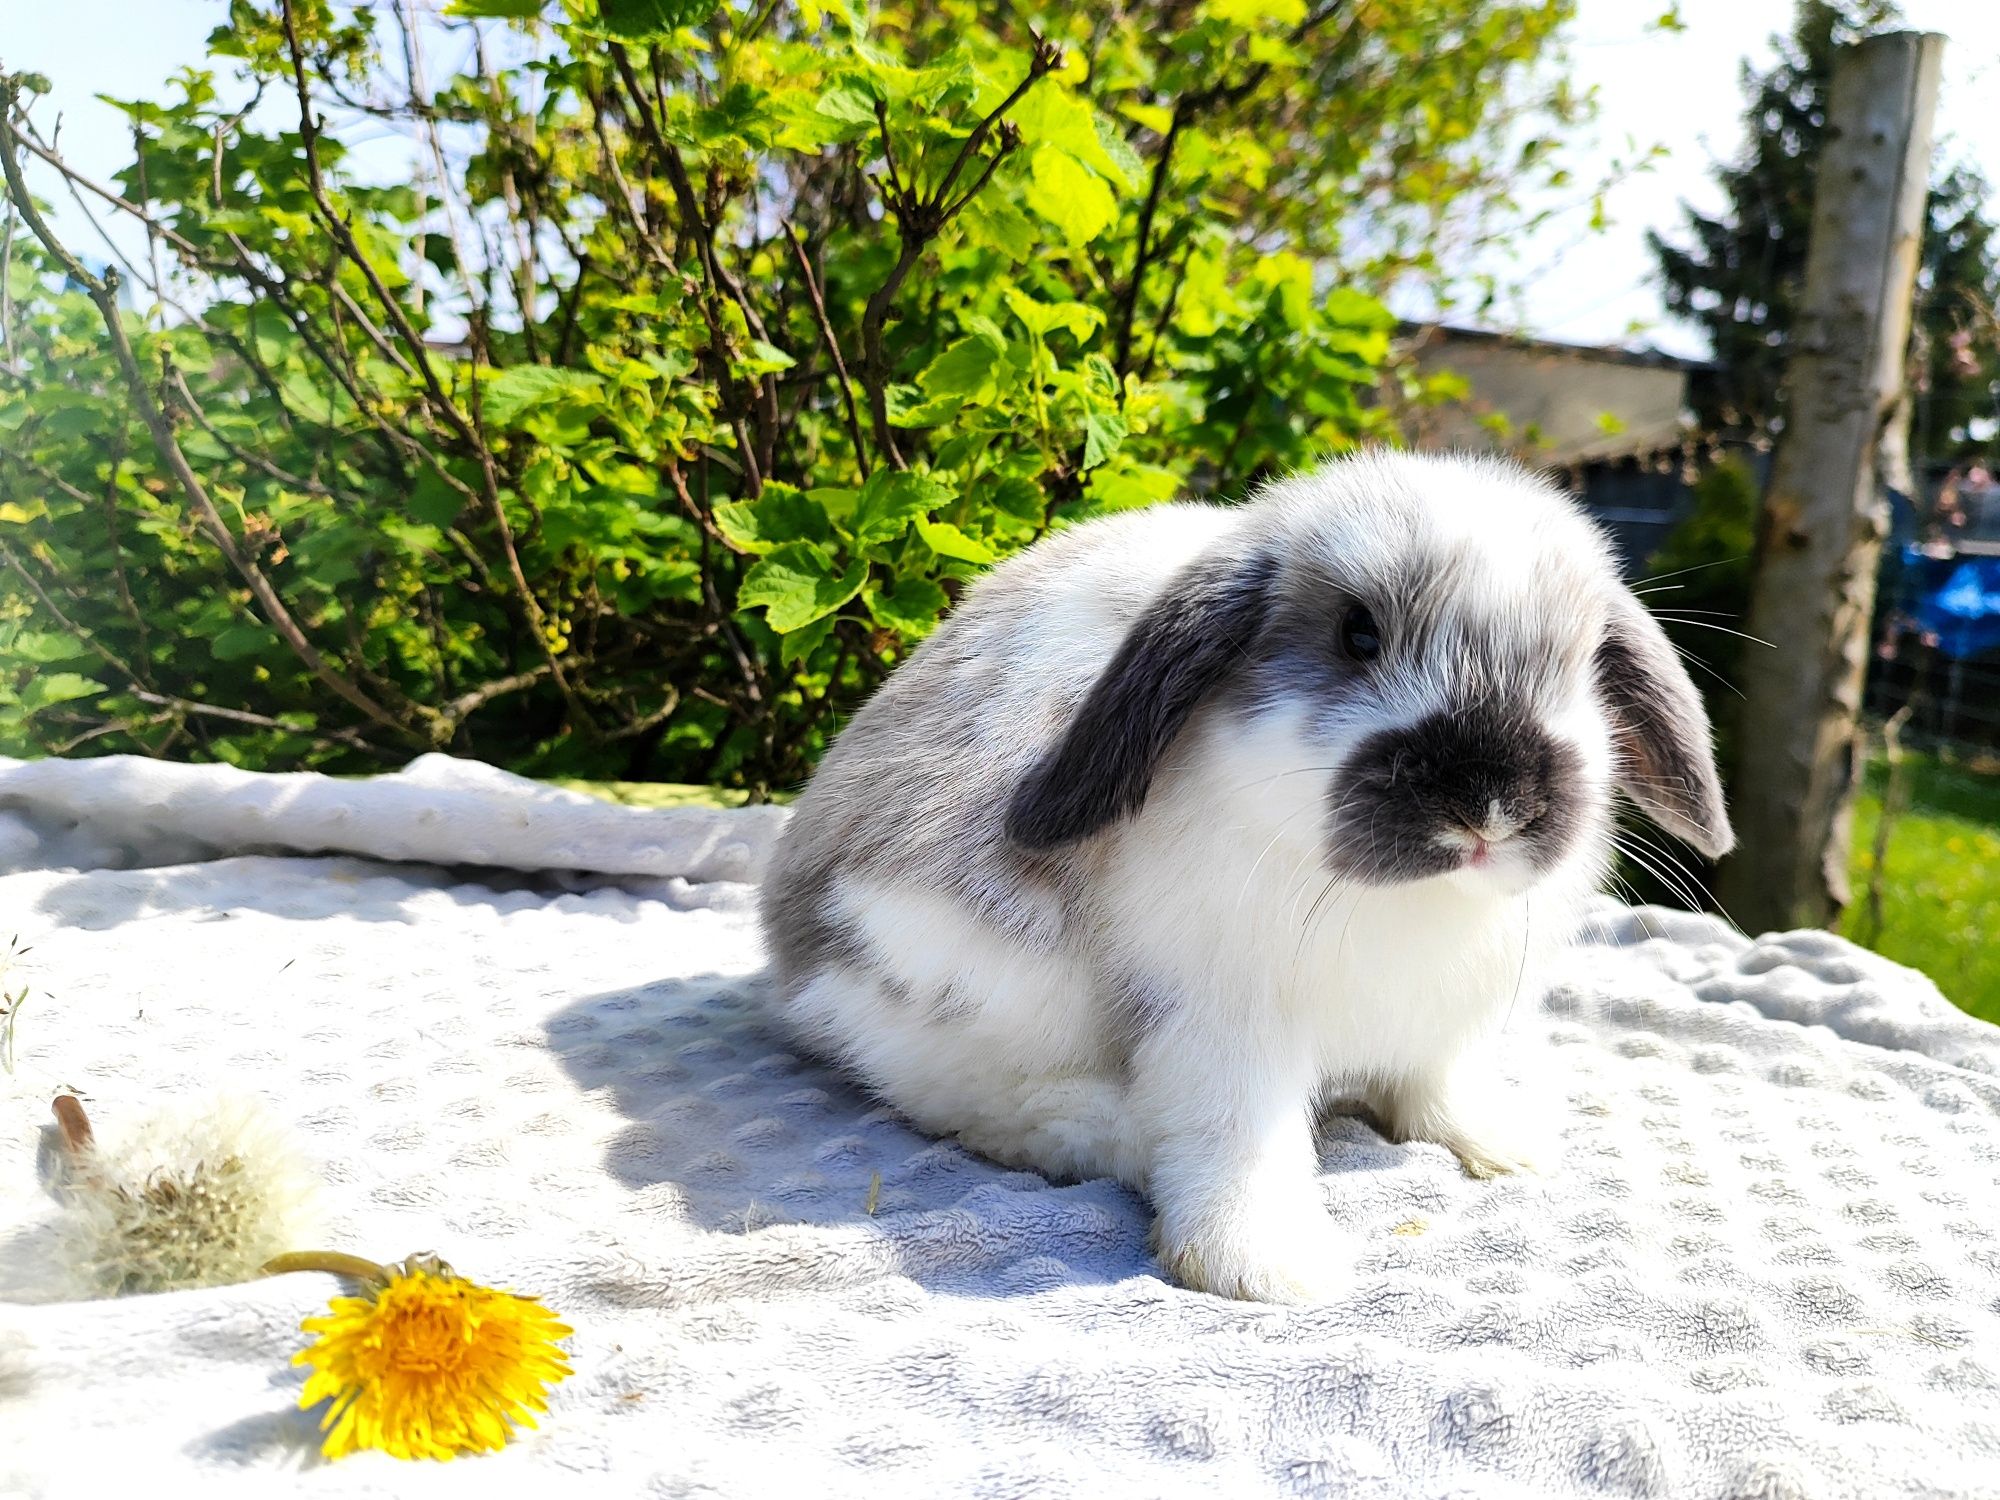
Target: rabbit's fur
{"points": [[1138, 857]]}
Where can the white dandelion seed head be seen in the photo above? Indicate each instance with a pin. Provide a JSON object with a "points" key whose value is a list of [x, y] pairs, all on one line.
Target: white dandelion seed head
{"points": [[187, 1198]]}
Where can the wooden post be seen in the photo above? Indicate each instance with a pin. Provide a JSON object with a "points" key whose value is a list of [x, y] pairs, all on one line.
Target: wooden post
{"points": [[1824, 518]]}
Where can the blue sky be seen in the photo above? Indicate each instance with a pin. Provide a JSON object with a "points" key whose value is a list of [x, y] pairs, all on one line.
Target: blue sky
{"points": [[1677, 91]]}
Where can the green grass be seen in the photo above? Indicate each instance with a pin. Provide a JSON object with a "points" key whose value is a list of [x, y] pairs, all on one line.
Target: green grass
{"points": [[1940, 900], [1941, 885], [658, 793]]}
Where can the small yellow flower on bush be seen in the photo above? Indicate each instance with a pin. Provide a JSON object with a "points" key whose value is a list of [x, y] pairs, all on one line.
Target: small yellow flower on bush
{"points": [[426, 1364]]}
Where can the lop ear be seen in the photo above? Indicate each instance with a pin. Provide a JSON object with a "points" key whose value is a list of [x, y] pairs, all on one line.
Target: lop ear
{"points": [[1666, 752], [1202, 622]]}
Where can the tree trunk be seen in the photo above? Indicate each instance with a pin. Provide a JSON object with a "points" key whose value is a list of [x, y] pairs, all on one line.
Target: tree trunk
{"points": [[1820, 536]]}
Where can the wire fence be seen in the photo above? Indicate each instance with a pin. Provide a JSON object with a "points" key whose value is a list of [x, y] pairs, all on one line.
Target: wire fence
{"points": [[1937, 642], [1954, 703]]}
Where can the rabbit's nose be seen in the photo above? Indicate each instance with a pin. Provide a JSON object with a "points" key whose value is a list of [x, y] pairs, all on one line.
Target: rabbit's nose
{"points": [[1501, 818], [1497, 822]]}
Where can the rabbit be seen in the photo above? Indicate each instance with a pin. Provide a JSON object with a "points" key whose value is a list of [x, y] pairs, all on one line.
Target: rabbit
{"points": [[1190, 818]]}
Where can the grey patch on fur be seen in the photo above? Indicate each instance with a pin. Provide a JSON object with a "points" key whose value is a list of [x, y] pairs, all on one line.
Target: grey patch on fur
{"points": [[1004, 893], [952, 1003], [1203, 623], [813, 937], [1662, 730], [1134, 1008]]}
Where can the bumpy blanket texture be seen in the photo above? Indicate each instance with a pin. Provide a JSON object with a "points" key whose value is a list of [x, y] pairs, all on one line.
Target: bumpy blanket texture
{"points": [[525, 1029]]}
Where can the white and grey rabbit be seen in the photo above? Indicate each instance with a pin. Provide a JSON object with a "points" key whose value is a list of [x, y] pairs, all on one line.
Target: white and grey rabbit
{"points": [[1190, 817]]}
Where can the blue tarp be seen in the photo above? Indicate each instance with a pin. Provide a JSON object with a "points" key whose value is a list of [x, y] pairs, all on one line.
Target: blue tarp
{"points": [[1955, 599]]}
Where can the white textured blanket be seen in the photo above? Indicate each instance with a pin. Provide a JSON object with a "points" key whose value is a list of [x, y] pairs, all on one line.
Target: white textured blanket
{"points": [[1767, 1265]]}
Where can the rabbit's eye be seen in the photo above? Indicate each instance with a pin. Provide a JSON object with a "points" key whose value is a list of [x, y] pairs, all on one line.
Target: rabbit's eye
{"points": [[1359, 639]]}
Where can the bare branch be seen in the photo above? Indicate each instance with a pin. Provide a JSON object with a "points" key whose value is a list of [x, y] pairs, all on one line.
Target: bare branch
{"points": [[346, 737], [832, 347], [461, 707]]}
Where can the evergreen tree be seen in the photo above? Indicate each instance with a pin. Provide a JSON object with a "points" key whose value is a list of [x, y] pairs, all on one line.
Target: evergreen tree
{"points": [[1739, 275]]}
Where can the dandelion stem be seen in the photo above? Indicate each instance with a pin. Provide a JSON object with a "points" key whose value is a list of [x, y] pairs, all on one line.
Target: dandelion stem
{"points": [[77, 1134], [333, 1262]]}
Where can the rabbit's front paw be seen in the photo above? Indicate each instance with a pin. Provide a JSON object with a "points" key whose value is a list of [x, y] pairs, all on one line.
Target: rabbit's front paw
{"points": [[1286, 1253], [1490, 1132], [1487, 1149]]}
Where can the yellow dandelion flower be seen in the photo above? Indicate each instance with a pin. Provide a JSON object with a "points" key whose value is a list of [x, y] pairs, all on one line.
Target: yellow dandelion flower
{"points": [[426, 1364]]}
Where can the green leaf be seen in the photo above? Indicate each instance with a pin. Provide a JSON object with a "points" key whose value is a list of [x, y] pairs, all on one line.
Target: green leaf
{"points": [[1104, 428], [1155, 117], [1253, 14], [434, 502], [890, 500], [41, 646], [1050, 116], [1124, 485], [946, 540], [761, 358], [1022, 499], [992, 221], [847, 104], [781, 514], [239, 641], [1348, 308], [50, 688], [1043, 318], [1118, 151], [797, 645], [648, 20], [839, 504], [964, 370], [797, 585], [1070, 196], [524, 387], [511, 10], [912, 606]]}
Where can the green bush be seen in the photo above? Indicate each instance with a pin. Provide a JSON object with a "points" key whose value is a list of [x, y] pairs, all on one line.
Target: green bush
{"points": [[642, 432], [1700, 587]]}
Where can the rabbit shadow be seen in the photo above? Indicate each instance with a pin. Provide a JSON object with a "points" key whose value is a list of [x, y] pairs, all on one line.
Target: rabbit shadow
{"points": [[307, 887], [735, 1127]]}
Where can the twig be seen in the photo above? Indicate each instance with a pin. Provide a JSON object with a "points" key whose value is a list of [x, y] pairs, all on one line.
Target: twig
{"points": [[185, 400], [347, 737], [1128, 304], [456, 711], [8, 360], [654, 720], [152, 235], [832, 347], [1885, 817], [753, 680], [153, 226], [625, 191], [1166, 314]]}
